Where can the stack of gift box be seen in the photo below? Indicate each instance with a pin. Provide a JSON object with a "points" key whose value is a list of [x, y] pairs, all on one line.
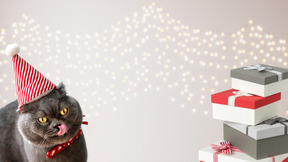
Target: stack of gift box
{"points": [[252, 131]]}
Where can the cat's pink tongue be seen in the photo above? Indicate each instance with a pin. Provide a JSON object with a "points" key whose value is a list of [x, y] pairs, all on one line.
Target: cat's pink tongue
{"points": [[62, 129]]}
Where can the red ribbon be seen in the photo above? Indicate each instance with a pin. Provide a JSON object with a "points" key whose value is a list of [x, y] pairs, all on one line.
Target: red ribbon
{"points": [[85, 122], [273, 158], [57, 149], [60, 147], [225, 148]]}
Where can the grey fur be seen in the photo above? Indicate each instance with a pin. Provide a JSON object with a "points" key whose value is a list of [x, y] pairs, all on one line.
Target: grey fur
{"points": [[24, 139]]}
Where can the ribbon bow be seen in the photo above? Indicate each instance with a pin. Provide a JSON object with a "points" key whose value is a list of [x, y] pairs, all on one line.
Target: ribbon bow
{"points": [[231, 99], [225, 147], [275, 120], [241, 93], [257, 67]]}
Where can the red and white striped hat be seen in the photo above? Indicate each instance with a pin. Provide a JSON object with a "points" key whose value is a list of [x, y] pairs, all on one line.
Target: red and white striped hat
{"points": [[30, 83]]}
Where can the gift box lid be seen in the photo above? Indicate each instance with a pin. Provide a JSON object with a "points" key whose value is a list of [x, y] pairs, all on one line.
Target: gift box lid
{"points": [[267, 74], [262, 130], [245, 101]]}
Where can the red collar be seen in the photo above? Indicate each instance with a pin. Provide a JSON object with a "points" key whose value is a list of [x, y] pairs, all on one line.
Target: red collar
{"points": [[58, 148]]}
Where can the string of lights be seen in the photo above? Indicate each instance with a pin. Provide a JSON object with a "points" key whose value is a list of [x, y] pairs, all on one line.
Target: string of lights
{"points": [[147, 52]]}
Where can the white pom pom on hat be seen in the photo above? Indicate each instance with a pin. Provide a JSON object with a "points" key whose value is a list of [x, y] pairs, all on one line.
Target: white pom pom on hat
{"points": [[12, 49]]}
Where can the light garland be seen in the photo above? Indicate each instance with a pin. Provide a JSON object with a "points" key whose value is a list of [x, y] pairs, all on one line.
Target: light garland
{"points": [[148, 52]]}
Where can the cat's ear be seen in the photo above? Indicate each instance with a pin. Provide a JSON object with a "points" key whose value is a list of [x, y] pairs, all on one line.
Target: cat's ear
{"points": [[61, 89], [26, 108]]}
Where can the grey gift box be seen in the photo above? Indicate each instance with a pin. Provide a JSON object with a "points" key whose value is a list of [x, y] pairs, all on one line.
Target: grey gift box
{"points": [[260, 141], [260, 77]]}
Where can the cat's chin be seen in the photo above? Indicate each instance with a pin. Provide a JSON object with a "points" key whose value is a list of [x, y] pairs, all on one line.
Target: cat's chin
{"points": [[51, 140], [54, 140]]}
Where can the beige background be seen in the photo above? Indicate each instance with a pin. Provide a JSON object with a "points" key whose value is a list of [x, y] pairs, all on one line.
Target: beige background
{"points": [[144, 71]]}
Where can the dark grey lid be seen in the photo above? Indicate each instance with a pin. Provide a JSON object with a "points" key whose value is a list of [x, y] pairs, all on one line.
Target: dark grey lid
{"points": [[259, 77]]}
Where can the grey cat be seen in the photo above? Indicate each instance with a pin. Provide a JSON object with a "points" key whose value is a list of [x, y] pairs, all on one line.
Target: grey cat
{"points": [[27, 137]]}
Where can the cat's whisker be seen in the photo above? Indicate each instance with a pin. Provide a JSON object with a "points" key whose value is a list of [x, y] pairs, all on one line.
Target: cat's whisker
{"points": [[42, 141]]}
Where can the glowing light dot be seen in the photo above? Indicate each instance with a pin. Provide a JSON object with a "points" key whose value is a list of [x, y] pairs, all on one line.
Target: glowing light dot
{"points": [[271, 49], [278, 48], [271, 36], [194, 110]]}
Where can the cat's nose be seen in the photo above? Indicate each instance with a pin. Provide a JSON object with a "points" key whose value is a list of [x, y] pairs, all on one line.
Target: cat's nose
{"points": [[57, 126]]}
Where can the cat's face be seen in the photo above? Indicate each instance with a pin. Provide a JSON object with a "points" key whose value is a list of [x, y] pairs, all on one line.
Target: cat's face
{"points": [[50, 120]]}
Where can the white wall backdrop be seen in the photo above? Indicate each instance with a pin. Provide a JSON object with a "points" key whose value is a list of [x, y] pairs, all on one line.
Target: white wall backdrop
{"points": [[144, 71]]}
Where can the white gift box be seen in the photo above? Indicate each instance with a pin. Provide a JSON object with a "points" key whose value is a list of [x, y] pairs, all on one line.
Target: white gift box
{"points": [[241, 107], [206, 155], [258, 89], [245, 116]]}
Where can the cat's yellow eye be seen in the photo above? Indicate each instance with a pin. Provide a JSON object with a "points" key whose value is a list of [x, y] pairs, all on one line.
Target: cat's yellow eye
{"points": [[42, 120], [64, 111]]}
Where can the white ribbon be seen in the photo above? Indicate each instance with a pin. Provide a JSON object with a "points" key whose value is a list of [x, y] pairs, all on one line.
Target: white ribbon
{"points": [[261, 68], [231, 99]]}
